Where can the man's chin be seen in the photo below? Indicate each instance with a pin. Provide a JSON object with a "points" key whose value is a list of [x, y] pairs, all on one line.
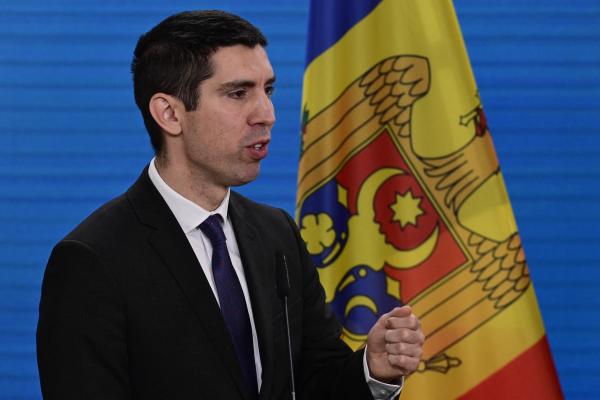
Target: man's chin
{"points": [[245, 178]]}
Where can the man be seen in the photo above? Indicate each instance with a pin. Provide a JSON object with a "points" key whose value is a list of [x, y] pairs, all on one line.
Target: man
{"points": [[169, 291]]}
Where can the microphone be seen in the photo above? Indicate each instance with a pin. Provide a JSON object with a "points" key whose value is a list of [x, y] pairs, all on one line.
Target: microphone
{"points": [[283, 279], [283, 292]]}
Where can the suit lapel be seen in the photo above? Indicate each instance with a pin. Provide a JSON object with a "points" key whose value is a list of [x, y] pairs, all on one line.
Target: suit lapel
{"points": [[260, 276], [173, 248]]}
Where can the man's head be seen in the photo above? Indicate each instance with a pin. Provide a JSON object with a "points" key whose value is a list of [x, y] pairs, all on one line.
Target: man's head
{"points": [[175, 57]]}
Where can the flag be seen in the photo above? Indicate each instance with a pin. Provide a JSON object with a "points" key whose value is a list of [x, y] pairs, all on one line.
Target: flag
{"points": [[401, 199]]}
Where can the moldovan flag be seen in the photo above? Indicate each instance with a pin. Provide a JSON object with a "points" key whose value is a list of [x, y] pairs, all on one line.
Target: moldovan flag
{"points": [[401, 199]]}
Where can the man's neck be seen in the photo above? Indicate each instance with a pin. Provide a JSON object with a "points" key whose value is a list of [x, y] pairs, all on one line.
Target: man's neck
{"points": [[189, 185]]}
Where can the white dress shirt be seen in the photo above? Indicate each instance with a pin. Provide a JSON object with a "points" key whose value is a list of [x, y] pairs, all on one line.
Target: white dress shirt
{"points": [[189, 215]]}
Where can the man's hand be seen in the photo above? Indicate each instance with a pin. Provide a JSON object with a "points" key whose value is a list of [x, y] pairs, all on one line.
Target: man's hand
{"points": [[394, 345]]}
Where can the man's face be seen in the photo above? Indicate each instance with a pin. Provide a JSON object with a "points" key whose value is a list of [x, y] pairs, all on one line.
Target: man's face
{"points": [[228, 134]]}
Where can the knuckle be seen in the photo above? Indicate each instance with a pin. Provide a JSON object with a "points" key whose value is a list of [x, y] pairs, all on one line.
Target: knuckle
{"points": [[419, 352], [413, 322], [404, 335], [398, 360], [396, 348], [388, 335], [414, 364]]}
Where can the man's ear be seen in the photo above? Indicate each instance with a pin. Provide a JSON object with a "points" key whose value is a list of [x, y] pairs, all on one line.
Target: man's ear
{"points": [[165, 110]]}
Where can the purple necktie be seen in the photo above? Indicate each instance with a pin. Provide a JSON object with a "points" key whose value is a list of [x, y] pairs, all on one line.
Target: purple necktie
{"points": [[231, 299]]}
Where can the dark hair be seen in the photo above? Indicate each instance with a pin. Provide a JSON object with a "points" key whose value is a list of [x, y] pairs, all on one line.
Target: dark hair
{"points": [[174, 57]]}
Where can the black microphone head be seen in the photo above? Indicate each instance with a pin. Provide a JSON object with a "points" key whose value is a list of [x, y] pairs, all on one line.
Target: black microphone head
{"points": [[281, 274]]}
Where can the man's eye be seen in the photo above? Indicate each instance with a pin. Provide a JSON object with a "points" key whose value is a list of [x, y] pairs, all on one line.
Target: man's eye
{"points": [[237, 94], [270, 90]]}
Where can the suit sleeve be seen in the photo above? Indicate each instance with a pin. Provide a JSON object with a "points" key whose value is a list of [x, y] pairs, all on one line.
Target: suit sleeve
{"points": [[81, 335], [329, 369]]}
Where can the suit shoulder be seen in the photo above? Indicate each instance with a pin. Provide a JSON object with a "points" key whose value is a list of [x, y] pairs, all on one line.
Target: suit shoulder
{"points": [[110, 219]]}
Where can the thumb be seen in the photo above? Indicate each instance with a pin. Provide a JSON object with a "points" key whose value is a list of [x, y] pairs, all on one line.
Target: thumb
{"points": [[403, 311]]}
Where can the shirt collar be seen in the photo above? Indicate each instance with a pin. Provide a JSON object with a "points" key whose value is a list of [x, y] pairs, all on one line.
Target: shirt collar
{"points": [[189, 215]]}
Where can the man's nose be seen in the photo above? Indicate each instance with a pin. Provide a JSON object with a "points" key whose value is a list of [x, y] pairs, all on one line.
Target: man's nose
{"points": [[264, 111]]}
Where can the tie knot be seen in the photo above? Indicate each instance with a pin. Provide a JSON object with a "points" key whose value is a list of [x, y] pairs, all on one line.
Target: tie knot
{"points": [[213, 229]]}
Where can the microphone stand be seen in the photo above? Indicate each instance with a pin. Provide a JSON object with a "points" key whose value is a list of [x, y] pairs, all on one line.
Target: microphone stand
{"points": [[283, 291]]}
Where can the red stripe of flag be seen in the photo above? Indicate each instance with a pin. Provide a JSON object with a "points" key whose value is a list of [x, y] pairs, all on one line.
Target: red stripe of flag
{"points": [[530, 376]]}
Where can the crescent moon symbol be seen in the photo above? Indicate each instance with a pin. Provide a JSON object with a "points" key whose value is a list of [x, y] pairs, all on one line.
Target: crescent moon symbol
{"points": [[366, 213]]}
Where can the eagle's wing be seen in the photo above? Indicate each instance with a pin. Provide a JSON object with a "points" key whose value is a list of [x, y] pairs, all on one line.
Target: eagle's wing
{"points": [[393, 86], [501, 267], [460, 173]]}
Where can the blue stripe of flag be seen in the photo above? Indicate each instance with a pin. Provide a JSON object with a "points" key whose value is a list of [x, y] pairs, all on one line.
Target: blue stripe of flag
{"points": [[329, 20]]}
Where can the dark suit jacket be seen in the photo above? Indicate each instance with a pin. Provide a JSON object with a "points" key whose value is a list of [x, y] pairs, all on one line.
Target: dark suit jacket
{"points": [[127, 313]]}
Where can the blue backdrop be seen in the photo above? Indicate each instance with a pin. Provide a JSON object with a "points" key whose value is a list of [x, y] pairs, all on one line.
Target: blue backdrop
{"points": [[72, 139]]}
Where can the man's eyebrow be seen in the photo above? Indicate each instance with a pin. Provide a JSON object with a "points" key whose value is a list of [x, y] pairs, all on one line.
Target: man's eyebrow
{"points": [[242, 83]]}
